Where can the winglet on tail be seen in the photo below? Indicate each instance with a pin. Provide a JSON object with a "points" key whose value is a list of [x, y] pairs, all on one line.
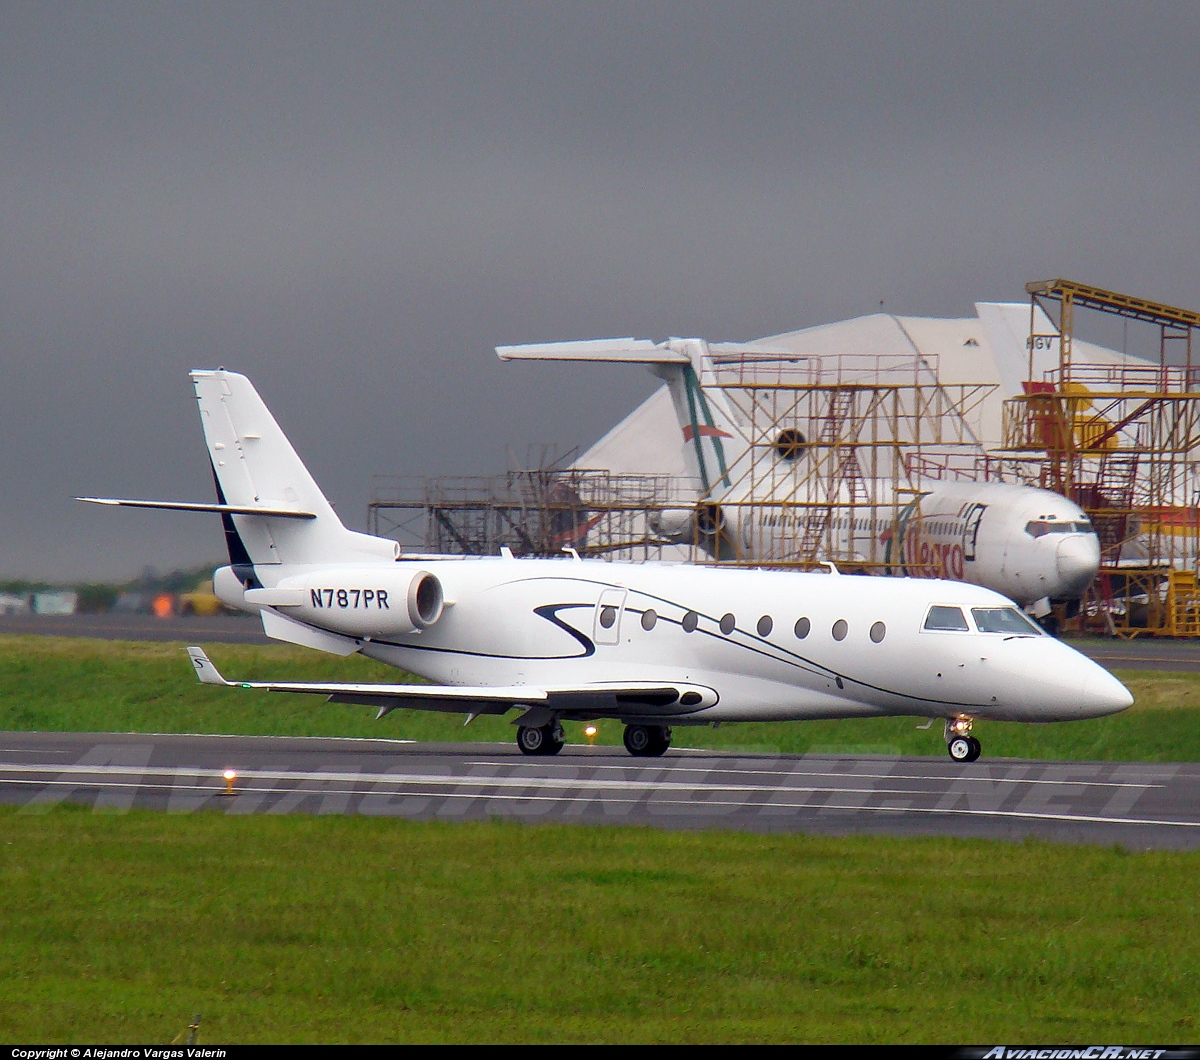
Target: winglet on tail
{"points": [[205, 670]]}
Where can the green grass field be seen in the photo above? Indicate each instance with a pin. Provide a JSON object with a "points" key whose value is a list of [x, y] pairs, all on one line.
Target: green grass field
{"points": [[61, 684], [119, 928]]}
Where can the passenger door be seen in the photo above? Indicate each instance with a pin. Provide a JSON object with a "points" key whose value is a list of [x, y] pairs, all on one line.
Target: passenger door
{"points": [[606, 629]]}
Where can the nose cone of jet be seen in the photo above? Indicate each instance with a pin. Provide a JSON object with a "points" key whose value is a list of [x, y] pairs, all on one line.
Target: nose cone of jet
{"points": [[1077, 562], [1103, 694]]}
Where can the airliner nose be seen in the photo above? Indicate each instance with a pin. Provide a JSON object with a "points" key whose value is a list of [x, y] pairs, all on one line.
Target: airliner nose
{"points": [[1103, 694], [1077, 561]]}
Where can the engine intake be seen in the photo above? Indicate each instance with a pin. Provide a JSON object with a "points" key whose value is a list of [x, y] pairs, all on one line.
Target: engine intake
{"points": [[426, 600]]}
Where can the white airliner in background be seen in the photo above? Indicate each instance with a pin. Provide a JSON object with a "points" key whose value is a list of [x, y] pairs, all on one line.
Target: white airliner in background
{"points": [[652, 645], [1034, 546]]}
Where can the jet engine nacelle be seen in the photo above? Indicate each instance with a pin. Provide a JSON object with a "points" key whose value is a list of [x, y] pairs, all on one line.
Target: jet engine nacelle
{"points": [[677, 525], [707, 525], [370, 601], [229, 589], [717, 530], [355, 601]]}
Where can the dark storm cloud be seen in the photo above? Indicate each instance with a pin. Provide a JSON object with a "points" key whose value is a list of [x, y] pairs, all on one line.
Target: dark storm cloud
{"points": [[354, 203]]}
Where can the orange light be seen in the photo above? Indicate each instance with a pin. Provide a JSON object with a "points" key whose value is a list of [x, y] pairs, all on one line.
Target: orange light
{"points": [[230, 777], [590, 733], [163, 605]]}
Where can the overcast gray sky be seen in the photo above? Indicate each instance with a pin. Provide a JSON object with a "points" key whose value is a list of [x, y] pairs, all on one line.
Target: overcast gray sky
{"points": [[353, 203]]}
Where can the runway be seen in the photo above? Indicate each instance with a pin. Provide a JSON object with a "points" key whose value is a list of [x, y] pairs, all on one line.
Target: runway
{"points": [[1138, 805], [192, 629]]}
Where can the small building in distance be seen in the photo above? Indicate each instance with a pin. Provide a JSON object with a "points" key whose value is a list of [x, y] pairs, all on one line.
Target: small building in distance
{"points": [[56, 602]]}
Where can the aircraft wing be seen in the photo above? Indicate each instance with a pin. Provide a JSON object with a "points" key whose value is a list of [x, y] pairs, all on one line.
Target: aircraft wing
{"points": [[623, 698], [488, 700]]}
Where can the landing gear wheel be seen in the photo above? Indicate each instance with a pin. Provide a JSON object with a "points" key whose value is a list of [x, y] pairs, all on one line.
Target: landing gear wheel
{"points": [[964, 748], [542, 740], [647, 741]]}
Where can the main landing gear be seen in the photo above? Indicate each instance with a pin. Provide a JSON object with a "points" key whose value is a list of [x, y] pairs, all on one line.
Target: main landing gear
{"points": [[647, 741], [543, 740], [960, 744], [641, 741]]}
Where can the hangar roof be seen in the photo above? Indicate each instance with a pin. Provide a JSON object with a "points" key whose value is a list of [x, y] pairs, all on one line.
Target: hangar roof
{"points": [[989, 347]]}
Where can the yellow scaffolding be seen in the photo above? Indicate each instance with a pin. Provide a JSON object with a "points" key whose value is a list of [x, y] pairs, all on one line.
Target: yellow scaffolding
{"points": [[1123, 441]]}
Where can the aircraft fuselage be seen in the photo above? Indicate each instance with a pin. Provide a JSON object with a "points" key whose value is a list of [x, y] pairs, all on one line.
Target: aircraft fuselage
{"points": [[769, 645]]}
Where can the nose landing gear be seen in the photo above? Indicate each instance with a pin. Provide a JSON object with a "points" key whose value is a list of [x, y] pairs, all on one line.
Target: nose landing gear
{"points": [[647, 741], [960, 744], [542, 740]]}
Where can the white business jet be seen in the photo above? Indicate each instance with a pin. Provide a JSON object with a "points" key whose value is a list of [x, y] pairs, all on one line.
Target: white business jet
{"points": [[652, 645], [1034, 546]]}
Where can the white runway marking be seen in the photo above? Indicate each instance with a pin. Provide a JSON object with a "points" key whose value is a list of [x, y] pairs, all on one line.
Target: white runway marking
{"points": [[551, 781], [856, 775], [435, 785]]}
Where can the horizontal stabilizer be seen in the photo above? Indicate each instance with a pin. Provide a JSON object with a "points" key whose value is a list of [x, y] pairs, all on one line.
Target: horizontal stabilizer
{"points": [[632, 351], [627, 351], [188, 506]]}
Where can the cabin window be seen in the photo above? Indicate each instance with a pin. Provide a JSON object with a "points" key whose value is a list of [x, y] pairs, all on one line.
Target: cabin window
{"points": [[946, 618], [728, 624], [878, 632], [765, 625], [840, 629], [649, 618], [608, 615], [690, 621], [1004, 620], [803, 628]]}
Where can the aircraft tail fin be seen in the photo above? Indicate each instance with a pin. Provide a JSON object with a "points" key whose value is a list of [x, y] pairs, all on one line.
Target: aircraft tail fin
{"points": [[713, 440], [255, 467]]}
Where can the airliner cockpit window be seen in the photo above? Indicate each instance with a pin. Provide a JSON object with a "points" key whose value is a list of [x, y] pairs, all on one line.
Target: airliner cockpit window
{"points": [[947, 618], [1042, 527], [1004, 620]]}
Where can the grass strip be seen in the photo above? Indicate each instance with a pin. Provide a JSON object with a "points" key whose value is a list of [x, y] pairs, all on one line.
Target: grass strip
{"points": [[350, 929], [65, 684], [79, 685]]}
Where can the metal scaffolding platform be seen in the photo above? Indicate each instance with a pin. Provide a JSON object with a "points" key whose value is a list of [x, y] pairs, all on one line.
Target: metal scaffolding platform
{"points": [[1123, 441], [532, 513], [832, 441]]}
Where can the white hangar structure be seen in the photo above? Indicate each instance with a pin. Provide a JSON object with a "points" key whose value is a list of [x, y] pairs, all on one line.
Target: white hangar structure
{"points": [[852, 418]]}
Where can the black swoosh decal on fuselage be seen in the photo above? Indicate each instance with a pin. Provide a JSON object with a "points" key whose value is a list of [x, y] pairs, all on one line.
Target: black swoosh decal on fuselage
{"points": [[550, 613]]}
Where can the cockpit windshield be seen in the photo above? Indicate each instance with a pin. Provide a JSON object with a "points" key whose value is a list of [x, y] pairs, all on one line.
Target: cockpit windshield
{"points": [[1042, 527], [947, 618], [1004, 620]]}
